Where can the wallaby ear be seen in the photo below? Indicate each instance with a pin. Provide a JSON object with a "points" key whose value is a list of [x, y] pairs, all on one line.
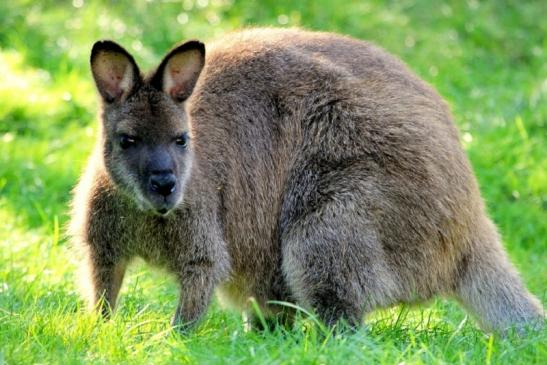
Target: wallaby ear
{"points": [[178, 73], [114, 70]]}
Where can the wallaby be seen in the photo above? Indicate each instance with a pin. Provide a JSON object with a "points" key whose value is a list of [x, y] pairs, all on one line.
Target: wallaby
{"points": [[292, 166]]}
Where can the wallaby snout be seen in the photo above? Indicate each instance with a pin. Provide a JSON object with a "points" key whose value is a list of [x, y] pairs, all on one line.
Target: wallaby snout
{"points": [[161, 181], [162, 187]]}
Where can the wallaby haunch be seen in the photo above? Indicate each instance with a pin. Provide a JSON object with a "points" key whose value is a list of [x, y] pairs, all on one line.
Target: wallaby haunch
{"points": [[292, 166]]}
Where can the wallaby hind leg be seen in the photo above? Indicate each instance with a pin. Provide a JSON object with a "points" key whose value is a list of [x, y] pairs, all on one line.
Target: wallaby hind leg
{"points": [[490, 287], [333, 265], [320, 281]]}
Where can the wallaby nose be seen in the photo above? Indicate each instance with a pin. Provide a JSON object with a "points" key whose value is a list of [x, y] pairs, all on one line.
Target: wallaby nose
{"points": [[163, 183]]}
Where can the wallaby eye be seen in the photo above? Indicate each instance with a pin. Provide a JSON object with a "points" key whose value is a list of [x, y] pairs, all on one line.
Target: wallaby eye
{"points": [[127, 141], [182, 140]]}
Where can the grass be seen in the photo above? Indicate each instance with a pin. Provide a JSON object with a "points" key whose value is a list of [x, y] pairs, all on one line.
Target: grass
{"points": [[487, 59]]}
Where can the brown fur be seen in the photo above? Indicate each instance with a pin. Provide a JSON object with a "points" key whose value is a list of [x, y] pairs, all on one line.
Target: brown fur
{"points": [[322, 172]]}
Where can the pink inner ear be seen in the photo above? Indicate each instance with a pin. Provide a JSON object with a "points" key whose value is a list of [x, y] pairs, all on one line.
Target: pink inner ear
{"points": [[113, 85], [110, 72], [177, 92], [181, 73], [179, 83]]}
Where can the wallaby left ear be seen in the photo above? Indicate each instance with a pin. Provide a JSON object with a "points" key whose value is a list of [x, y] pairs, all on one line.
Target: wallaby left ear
{"points": [[178, 73], [115, 72]]}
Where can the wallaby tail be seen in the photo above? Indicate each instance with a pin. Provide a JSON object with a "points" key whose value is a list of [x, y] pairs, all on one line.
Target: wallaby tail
{"points": [[491, 288]]}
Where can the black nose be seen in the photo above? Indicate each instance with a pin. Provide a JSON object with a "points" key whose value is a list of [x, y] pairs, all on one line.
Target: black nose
{"points": [[163, 183]]}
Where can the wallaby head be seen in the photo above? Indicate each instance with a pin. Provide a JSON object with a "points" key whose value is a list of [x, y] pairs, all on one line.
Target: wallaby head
{"points": [[146, 138]]}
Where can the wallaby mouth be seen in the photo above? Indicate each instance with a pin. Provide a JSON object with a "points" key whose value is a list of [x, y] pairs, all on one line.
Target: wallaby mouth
{"points": [[161, 211], [160, 204], [162, 208]]}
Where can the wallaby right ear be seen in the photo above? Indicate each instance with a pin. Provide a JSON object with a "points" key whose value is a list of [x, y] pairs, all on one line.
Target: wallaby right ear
{"points": [[114, 70], [178, 73]]}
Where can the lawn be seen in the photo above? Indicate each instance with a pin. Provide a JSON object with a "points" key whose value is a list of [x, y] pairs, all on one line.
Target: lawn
{"points": [[488, 59]]}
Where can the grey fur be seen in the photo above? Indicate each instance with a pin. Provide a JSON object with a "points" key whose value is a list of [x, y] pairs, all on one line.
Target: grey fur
{"points": [[320, 171]]}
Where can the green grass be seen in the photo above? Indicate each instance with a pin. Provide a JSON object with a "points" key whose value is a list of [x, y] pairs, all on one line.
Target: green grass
{"points": [[487, 59]]}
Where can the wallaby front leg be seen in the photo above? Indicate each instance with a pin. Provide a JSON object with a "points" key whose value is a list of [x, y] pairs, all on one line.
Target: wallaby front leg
{"points": [[204, 261], [197, 285], [106, 277]]}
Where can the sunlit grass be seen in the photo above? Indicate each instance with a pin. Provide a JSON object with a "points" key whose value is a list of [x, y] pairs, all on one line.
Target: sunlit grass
{"points": [[486, 58]]}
